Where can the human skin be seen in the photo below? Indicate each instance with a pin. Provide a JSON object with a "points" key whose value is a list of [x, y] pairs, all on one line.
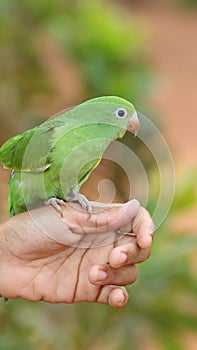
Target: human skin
{"points": [[77, 257]]}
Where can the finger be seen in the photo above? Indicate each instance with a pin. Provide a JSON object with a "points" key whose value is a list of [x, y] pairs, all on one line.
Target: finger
{"points": [[106, 220], [144, 228], [113, 296], [105, 274], [127, 254], [126, 228]]}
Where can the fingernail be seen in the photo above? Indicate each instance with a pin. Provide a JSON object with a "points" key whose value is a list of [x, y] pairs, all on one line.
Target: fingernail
{"points": [[122, 258], [121, 299], [102, 275], [151, 229]]}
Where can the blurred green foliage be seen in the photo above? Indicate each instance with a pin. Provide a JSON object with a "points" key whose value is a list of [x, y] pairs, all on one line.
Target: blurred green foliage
{"points": [[189, 3], [101, 40], [108, 47], [186, 191]]}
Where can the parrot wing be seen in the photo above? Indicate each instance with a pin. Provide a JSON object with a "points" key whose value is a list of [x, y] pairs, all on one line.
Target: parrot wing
{"points": [[31, 151], [28, 152], [87, 169]]}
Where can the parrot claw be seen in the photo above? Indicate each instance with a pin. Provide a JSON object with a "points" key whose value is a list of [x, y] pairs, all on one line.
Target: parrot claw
{"points": [[56, 203], [82, 200]]}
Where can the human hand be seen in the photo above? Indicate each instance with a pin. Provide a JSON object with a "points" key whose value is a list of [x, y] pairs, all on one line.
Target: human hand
{"points": [[44, 257]]}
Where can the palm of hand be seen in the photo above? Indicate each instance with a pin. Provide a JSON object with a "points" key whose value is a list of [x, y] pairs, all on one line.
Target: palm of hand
{"points": [[40, 268]]}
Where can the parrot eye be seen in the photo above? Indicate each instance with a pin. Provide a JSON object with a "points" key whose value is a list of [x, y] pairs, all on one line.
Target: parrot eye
{"points": [[121, 113]]}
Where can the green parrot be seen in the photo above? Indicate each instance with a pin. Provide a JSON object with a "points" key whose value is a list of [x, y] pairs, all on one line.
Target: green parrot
{"points": [[50, 162]]}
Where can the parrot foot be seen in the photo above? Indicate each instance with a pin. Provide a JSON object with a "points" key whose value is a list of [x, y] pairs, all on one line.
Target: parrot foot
{"points": [[82, 200], [56, 203]]}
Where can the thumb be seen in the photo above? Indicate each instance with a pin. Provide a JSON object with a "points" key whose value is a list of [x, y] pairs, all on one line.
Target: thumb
{"points": [[103, 219]]}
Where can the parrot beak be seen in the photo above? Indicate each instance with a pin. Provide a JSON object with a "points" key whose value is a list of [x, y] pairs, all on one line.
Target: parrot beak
{"points": [[133, 124]]}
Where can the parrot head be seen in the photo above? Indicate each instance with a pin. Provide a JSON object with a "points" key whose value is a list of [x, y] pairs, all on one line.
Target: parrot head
{"points": [[117, 111]]}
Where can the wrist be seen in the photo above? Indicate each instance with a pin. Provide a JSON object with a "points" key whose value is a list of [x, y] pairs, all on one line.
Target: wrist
{"points": [[3, 246], [4, 230]]}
